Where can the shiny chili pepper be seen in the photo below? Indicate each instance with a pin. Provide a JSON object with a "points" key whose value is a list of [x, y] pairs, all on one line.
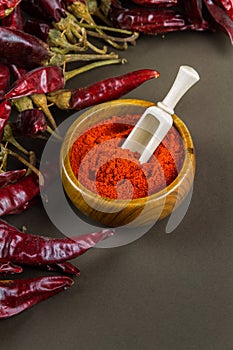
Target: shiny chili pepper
{"points": [[7, 177], [18, 295], [36, 53], [7, 6], [24, 207], [32, 8], [53, 8], [27, 249], [65, 267], [227, 5], [9, 268], [17, 71], [5, 110], [16, 195], [4, 79], [220, 17], [30, 123], [144, 20], [102, 91], [193, 10], [14, 20], [38, 81]]}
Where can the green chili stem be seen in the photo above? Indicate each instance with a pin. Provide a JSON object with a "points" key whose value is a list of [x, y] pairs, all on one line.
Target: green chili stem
{"points": [[73, 73]]}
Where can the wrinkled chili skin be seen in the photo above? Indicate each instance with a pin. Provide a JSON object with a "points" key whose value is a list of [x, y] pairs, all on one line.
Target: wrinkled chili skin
{"points": [[38, 28], [12, 42], [27, 249], [18, 295], [220, 18], [38, 81], [7, 6], [33, 8], [53, 8], [65, 267], [109, 89], [30, 122], [4, 79], [193, 10], [10, 176], [9, 268], [227, 5], [148, 21], [17, 71], [14, 20], [16, 195], [5, 111]]}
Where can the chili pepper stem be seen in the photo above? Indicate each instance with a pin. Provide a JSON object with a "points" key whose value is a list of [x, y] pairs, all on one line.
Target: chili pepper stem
{"points": [[40, 100], [25, 162], [22, 103], [73, 73], [53, 133], [8, 136]]}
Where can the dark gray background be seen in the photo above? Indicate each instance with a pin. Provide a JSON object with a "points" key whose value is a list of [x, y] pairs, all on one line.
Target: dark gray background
{"points": [[164, 291]]}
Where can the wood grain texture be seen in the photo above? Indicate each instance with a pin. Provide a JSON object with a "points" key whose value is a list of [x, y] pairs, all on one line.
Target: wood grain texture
{"points": [[136, 212]]}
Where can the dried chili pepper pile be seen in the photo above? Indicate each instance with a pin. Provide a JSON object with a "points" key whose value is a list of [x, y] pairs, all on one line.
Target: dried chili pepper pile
{"points": [[163, 16]]}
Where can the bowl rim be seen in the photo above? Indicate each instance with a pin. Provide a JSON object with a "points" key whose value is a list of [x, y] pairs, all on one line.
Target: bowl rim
{"points": [[189, 159]]}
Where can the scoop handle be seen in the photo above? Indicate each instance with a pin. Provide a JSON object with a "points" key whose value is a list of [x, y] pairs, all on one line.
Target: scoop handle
{"points": [[185, 79]]}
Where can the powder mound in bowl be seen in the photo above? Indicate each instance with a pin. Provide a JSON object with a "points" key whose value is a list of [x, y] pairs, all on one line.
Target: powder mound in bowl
{"points": [[103, 167]]}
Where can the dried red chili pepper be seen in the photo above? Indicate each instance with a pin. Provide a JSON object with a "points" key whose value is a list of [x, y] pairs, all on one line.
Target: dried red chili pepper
{"points": [[7, 6], [31, 122], [7, 177], [144, 20], [193, 10], [16, 195], [4, 79], [65, 267], [5, 111], [104, 90], [14, 20], [36, 52], [38, 81], [53, 8], [17, 71], [27, 249], [9, 268], [220, 17], [18, 295], [227, 5]]}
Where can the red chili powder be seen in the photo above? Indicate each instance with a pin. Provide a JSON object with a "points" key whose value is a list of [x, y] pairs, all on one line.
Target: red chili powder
{"points": [[103, 167]]}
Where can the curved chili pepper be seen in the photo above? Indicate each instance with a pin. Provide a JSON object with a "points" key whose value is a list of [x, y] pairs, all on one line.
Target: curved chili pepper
{"points": [[7, 177], [102, 91], [4, 79], [14, 20], [221, 18], [144, 20], [16, 195], [7, 6], [65, 267], [193, 10], [18, 295], [227, 5], [38, 81], [5, 111], [32, 8], [9, 268], [53, 8], [27, 249]]}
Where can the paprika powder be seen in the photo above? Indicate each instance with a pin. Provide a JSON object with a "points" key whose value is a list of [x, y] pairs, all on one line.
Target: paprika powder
{"points": [[103, 167]]}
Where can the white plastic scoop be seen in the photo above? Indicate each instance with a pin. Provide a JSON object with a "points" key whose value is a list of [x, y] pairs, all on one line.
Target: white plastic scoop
{"points": [[156, 121]]}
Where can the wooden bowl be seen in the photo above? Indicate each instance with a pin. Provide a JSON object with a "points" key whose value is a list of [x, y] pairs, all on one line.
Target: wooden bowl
{"points": [[134, 212]]}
